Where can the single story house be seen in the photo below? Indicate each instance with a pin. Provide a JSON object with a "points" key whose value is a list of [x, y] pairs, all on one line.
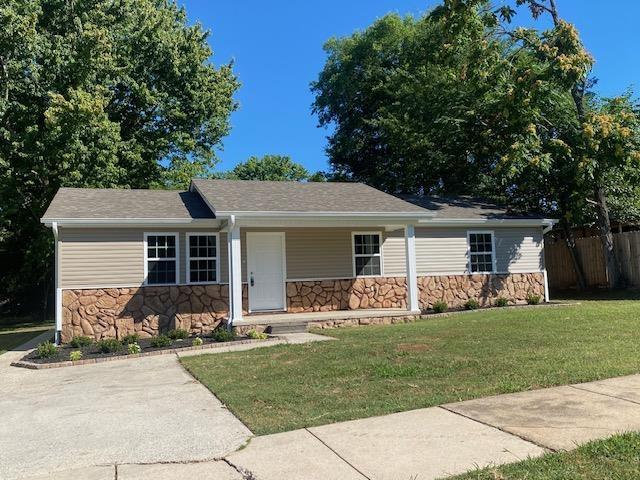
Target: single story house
{"points": [[227, 251]]}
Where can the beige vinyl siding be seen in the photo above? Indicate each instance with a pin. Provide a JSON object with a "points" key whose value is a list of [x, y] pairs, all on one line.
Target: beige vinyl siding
{"points": [[101, 256], [444, 250], [115, 257], [311, 252], [519, 250], [93, 257], [393, 253]]}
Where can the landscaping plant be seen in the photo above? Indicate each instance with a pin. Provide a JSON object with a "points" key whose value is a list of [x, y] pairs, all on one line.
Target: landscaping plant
{"points": [[75, 355], [196, 342], [46, 350], [133, 348], [109, 345], [80, 341], [178, 334], [533, 299], [472, 304], [131, 338], [255, 335], [440, 307], [161, 341], [501, 302], [221, 334]]}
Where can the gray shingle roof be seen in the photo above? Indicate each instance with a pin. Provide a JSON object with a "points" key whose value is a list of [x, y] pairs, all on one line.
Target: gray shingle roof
{"points": [[460, 208], [106, 203], [312, 197]]}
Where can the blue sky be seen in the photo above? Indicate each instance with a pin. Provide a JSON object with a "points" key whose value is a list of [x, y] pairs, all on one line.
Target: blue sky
{"points": [[277, 50]]}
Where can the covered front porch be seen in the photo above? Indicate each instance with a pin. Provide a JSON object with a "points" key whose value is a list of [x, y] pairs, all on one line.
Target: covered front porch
{"points": [[291, 322], [321, 269]]}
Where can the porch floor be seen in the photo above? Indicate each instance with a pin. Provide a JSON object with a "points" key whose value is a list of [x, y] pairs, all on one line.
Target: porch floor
{"points": [[307, 317]]}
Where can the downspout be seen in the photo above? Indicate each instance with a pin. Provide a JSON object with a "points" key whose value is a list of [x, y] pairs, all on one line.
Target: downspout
{"points": [[56, 282], [545, 230]]}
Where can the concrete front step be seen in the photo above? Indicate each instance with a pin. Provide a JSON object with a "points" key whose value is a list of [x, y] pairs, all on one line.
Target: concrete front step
{"points": [[292, 327]]}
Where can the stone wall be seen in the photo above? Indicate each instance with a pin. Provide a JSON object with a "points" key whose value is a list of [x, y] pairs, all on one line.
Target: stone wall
{"points": [[455, 290], [147, 311], [350, 294]]}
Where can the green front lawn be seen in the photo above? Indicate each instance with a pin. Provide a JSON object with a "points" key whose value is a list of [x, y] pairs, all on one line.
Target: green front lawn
{"points": [[614, 458], [382, 369]]}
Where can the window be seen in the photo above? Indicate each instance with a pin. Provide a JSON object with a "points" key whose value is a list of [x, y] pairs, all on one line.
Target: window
{"points": [[161, 258], [367, 260], [202, 258], [481, 254]]}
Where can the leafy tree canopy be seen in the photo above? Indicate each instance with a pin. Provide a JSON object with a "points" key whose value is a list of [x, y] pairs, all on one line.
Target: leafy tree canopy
{"points": [[98, 93], [271, 167]]}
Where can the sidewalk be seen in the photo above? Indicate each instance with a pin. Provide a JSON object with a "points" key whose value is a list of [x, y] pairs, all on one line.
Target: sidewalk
{"points": [[450, 439]]}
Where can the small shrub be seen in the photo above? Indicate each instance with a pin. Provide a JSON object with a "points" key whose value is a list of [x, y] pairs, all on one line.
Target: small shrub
{"points": [[131, 338], [75, 355], [79, 342], [255, 335], [472, 304], [533, 299], [196, 342], [133, 348], [223, 335], [46, 350], [109, 345], [178, 334], [440, 306], [501, 302], [161, 341]]}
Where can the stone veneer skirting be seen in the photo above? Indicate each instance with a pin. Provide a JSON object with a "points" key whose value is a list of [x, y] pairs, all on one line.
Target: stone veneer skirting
{"points": [[455, 290], [148, 311], [357, 293]]}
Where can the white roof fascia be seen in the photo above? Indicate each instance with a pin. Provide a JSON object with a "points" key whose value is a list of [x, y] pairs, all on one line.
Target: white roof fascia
{"points": [[488, 222], [128, 222]]}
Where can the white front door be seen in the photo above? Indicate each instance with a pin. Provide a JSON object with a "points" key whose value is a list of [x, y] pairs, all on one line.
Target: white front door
{"points": [[265, 271]]}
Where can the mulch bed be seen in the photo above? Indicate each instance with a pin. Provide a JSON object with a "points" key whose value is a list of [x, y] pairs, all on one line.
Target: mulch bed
{"points": [[91, 354]]}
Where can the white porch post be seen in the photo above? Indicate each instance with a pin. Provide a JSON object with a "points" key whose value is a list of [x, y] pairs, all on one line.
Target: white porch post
{"points": [[412, 276], [56, 282], [235, 274]]}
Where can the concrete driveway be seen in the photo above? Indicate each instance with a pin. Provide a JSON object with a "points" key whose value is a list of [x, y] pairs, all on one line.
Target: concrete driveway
{"points": [[145, 411]]}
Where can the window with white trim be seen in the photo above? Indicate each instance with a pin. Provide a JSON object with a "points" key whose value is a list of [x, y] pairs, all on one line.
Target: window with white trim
{"points": [[202, 258], [367, 260], [161, 258], [481, 252]]}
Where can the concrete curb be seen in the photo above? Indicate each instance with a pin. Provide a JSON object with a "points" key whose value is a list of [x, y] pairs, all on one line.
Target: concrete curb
{"points": [[171, 351]]}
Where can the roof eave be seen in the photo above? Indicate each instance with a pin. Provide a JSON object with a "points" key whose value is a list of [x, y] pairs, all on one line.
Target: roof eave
{"points": [[124, 221], [487, 222], [285, 214]]}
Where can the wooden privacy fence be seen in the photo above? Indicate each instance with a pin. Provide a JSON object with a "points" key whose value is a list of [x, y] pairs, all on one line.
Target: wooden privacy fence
{"points": [[560, 270]]}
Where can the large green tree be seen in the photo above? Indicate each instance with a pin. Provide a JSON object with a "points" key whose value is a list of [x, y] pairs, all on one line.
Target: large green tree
{"points": [[460, 102], [590, 148], [98, 93], [268, 167], [407, 99]]}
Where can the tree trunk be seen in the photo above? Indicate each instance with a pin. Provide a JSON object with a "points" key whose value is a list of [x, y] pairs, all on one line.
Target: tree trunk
{"points": [[606, 237], [573, 252]]}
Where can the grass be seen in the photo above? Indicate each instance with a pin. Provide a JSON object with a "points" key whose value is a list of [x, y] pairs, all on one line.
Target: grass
{"points": [[377, 370], [15, 334], [617, 457]]}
